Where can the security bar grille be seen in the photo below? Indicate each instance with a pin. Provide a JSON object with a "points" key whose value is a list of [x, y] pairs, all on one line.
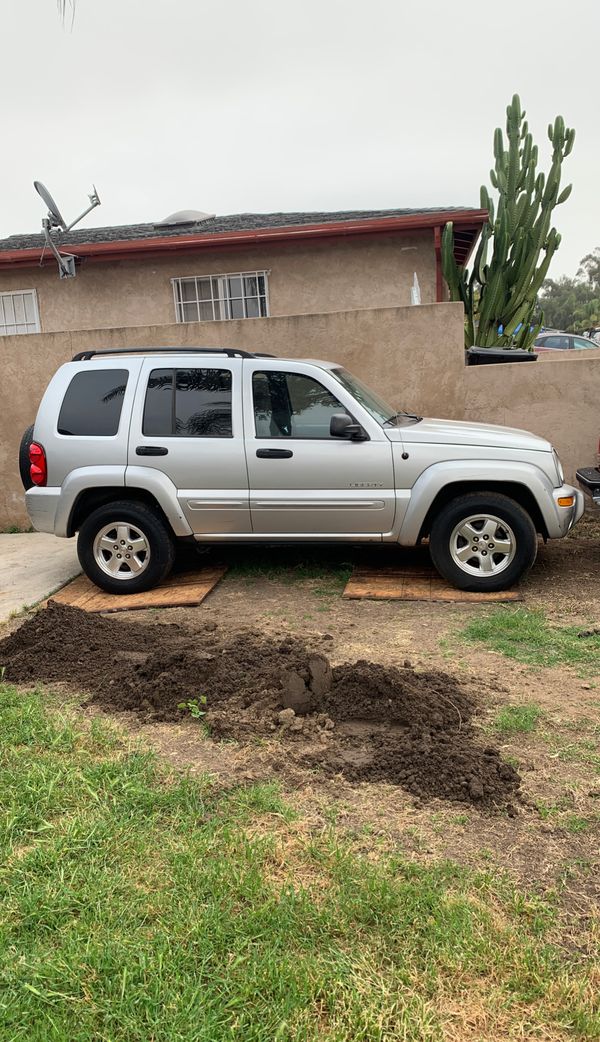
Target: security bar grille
{"points": [[19, 312], [215, 298]]}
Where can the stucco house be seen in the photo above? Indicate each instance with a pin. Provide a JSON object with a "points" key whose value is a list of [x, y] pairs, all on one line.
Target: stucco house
{"points": [[194, 267]]}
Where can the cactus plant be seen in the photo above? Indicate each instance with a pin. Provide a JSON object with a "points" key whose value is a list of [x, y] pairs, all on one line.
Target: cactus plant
{"points": [[499, 297]]}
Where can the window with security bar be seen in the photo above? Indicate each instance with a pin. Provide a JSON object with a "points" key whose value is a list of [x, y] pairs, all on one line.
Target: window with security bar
{"points": [[214, 298], [19, 312]]}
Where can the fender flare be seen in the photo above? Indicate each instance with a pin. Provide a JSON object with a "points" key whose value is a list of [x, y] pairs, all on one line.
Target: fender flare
{"points": [[493, 472], [153, 481], [78, 481], [162, 488]]}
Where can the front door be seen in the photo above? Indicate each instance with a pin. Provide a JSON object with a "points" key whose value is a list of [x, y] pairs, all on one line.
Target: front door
{"points": [[303, 482], [187, 424]]}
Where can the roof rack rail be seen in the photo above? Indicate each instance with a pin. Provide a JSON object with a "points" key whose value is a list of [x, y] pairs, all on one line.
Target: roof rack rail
{"points": [[229, 352]]}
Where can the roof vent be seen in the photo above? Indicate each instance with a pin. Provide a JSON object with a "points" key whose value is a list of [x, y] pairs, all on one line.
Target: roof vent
{"points": [[186, 217]]}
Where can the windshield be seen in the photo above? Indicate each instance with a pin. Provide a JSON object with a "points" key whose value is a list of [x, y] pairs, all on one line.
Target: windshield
{"points": [[376, 406], [379, 409]]}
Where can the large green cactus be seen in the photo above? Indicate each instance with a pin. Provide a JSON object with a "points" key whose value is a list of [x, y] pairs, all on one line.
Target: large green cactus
{"points": [[499, 297]]}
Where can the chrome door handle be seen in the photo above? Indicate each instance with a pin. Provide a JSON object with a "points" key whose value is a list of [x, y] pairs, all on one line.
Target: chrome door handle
{"points": [[274, 453]]}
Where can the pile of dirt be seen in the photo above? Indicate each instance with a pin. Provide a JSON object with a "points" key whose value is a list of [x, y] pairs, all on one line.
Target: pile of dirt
{"points": [[362, 720]]}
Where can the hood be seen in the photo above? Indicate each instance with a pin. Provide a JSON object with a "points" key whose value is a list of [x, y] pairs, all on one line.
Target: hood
{"points": [[458, 432]]}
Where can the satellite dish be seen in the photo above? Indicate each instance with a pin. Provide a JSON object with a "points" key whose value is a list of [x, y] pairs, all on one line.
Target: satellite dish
{"points": [[66, 261], [54, 213]]}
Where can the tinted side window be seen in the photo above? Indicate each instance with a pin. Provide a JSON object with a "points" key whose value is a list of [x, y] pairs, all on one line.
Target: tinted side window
{"points": [[159, 405], [579, 343], [188, 403], [93, 402], [561, 343], [290, 405]]}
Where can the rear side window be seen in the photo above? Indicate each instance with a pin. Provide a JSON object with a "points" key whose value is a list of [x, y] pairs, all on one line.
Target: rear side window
{"points": [[93, 402], [188, 403], [561, 343]]}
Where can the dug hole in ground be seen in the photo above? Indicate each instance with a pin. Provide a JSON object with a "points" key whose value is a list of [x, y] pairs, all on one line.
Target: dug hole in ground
{"points": [[363, 721]]}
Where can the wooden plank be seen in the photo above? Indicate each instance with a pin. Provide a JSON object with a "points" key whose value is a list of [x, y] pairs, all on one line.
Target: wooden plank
{"points": [[440, 592], [415, 583], [179, 591], [418, 589]]}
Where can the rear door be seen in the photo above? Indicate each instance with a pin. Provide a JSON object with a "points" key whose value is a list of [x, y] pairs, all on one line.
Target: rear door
{"points": [[303, 482], [187, 423]]}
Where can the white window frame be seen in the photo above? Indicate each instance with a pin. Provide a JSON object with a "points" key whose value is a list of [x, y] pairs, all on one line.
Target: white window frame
{"points": [[13, 328], [222, 301]]}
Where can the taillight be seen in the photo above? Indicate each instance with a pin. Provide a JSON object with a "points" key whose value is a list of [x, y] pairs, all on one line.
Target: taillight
{"points": [[38, 469]]}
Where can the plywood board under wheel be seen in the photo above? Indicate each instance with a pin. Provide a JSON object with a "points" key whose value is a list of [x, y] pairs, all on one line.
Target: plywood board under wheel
{"points": [[185, 589], [417, 583]]}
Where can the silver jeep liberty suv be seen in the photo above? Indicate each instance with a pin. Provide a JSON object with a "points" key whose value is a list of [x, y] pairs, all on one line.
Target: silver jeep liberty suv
{"points": [[137, 449]]}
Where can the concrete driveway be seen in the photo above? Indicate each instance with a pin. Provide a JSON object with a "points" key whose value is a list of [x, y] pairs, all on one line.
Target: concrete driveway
{"points": [[33, 565]]}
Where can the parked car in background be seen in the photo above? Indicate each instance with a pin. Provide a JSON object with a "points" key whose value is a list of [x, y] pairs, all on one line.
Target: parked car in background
{"points": [[555, 341]]}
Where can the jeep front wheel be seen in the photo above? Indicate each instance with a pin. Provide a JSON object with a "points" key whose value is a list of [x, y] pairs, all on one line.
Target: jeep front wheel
{"points": [[125, 547], [483, 541]]}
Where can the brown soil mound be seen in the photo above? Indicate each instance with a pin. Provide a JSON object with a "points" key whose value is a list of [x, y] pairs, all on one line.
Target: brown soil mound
{"points": [[362, 720]]}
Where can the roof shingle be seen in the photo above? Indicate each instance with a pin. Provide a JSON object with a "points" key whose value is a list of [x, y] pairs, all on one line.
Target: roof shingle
{"points": [[233, 223]]}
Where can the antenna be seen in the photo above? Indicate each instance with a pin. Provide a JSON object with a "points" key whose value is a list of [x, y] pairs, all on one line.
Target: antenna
{"points": [[55, 220]]}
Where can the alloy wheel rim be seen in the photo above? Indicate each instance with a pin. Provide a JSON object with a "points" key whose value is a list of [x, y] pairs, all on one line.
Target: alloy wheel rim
{"points": [[483, 545], [121, 550]]}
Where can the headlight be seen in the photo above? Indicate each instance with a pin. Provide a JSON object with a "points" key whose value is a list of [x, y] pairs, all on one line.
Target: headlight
{"points": [[559, 470]]}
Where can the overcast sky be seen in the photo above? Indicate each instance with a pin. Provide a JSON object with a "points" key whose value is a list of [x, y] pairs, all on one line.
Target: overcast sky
{"points": [[262, 105]]}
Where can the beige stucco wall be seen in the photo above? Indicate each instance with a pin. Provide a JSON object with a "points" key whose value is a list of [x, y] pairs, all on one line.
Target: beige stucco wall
{"points": [[305, 278], [412, 355], [556, 397]]}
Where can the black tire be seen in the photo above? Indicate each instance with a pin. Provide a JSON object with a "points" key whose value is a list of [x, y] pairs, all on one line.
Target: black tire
{"points": [[495, 505], [153, 529], [26, 441]]}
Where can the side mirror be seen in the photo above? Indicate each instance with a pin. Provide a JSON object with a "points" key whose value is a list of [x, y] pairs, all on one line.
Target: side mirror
{"points": [[343, 426]]}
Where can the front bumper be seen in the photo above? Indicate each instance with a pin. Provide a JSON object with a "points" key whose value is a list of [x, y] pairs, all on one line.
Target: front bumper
{"points": [[566, 516]]}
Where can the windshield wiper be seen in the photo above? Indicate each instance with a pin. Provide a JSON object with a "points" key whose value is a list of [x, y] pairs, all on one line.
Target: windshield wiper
{"points": [[407, 415]]}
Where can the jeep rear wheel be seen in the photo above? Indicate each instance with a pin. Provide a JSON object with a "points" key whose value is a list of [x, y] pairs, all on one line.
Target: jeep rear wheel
{"points": [[483, 541], [125, 547]]}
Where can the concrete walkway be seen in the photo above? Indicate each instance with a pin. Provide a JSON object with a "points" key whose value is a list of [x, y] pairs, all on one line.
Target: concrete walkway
{"points": [[33, 565]]}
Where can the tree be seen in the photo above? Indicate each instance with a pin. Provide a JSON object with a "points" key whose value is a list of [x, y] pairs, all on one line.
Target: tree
{"points": [[589, 268], [500, 297], [573, 304]]}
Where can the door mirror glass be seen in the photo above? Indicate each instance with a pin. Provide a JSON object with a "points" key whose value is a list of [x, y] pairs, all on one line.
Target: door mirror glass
{"points": [[343, 426]]}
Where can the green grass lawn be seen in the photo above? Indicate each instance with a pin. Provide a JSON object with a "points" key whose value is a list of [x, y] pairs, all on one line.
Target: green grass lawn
{"points": [[141, 905], [527, 636], [517, 719]]}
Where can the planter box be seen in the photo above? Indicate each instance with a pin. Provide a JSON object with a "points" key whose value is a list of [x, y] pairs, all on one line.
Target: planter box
{"points": [[495, 355]]}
